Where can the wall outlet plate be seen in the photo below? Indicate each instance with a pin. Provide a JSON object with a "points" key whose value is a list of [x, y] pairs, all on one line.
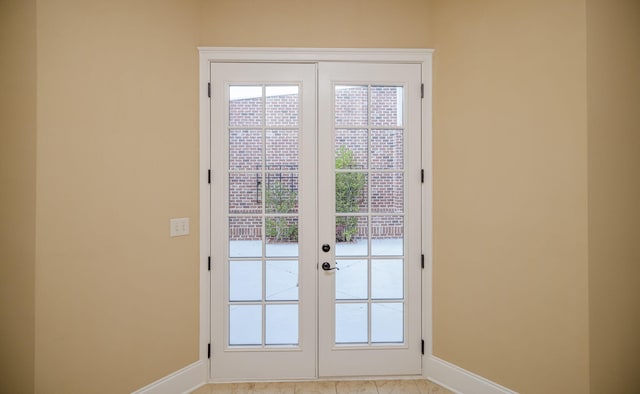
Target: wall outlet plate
{"points": [[179, 227]]}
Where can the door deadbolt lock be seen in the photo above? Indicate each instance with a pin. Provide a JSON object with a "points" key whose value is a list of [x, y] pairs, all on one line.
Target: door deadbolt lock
{"points": [[326, 248]]}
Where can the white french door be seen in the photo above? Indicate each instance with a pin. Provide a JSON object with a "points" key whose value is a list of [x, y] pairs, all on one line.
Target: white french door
{"points": [[369, 177], [263, 218], [315, 220]]}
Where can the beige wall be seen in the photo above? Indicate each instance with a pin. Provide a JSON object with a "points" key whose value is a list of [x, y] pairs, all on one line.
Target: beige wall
{"points": [[116, 298], [614, 194], [17, 194], [310, 23], [510, 203], [510, 161]]}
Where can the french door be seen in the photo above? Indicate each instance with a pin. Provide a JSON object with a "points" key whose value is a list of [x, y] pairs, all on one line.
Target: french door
{"points": [[315, 220]]}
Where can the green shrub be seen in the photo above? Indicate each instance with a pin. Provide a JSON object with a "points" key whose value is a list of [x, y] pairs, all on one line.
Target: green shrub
{"points": [[281, 199], [349, 187]]}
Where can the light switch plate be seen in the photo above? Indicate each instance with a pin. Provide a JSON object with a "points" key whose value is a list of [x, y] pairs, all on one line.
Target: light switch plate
{"points": [[179, 227]]}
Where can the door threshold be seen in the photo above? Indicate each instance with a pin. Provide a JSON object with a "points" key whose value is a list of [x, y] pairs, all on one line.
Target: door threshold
{"points": [[321, 379]]}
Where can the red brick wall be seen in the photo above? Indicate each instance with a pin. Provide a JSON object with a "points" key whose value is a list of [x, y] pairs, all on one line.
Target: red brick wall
{"points": [[351, 115]]}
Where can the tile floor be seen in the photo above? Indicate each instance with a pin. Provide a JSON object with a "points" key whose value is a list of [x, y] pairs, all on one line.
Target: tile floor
{"points": [[327, 387]]}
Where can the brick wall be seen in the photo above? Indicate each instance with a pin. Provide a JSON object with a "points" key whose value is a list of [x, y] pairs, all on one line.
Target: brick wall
{"points": [[383, 145]]}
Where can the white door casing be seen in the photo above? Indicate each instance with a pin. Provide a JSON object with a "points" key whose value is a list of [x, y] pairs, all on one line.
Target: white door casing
{"points": [[316, 355]]}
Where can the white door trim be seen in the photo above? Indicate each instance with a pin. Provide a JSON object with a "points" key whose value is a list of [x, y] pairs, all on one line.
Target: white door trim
{"points": [[289, 55], [292, 55]]}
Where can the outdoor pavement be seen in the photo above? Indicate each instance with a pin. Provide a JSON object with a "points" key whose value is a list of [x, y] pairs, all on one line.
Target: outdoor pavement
{"points": [[352, 284]]}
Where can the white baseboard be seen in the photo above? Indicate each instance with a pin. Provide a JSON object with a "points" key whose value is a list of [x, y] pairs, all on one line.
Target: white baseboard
{"points": [[437, 370], [183, 381], [460, 380]]}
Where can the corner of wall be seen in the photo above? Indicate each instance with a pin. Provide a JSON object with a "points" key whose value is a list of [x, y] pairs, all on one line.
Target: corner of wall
{"points": [[613, 92], [17, 194]]}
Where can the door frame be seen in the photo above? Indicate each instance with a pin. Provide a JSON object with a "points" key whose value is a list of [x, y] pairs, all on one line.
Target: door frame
{"points": [[210, 55]]}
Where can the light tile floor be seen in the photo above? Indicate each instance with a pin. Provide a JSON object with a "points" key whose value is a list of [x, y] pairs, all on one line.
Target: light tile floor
{"points": [[327, 387]]}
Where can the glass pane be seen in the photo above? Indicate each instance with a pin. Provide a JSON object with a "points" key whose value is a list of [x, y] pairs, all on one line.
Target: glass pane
{"points": [[387, 149], [245, 280], [282, 193], [282, 105], [351, 149], [351, 236], [351, 105], [282, 150], [351, 323], [245, 149], [245, 236], [351, 192], [387, 235], [386, 106], [387, 323], [245, 106], [245, 193], [281, 324], [387, 192], [387, 279], [282, 236], [351, 280], [282, 280], [245, 324]]}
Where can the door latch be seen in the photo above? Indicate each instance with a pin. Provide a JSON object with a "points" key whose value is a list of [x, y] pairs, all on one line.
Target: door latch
{"points": [[327, 267]]}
